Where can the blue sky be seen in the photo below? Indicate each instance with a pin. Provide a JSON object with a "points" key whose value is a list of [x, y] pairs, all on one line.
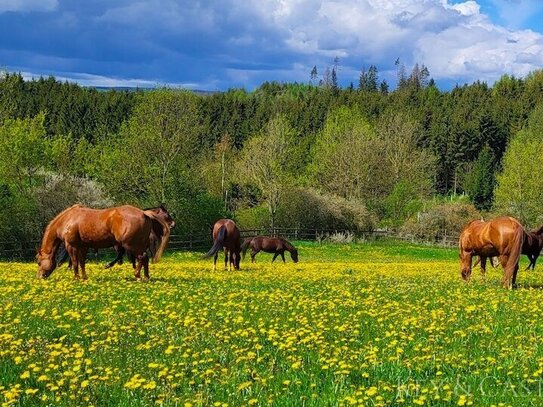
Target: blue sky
{"points": [[214, 45]]}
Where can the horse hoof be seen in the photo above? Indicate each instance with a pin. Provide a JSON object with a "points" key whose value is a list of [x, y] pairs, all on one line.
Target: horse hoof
{"points": [[107, 266]]}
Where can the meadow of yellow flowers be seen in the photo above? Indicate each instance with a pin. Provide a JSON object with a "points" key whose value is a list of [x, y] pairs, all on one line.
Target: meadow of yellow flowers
{"points": [[367, 324]]}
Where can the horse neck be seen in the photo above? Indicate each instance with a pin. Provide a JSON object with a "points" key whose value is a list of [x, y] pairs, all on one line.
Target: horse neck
{"points": [[50, 241], [288, 246], [538, 232]]}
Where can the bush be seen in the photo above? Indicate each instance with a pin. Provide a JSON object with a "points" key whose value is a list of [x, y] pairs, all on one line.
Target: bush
{"points": [[60, 191], [257, 217], [338, 238], [309, 209], [441, 220]]}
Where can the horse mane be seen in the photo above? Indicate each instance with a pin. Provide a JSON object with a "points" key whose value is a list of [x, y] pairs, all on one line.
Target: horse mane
{"points": [[538, 231], [287, 244], [54, 220], [152, 208]]}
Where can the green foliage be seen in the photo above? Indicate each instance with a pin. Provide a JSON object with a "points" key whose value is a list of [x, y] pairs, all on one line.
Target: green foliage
{"points": [[401, 203], [308, 208], [347, 145], [440, 219], [266, 162], [481, 180], [23, 151], [519, 191], [385, 150], [256, 217], [153, 149]]}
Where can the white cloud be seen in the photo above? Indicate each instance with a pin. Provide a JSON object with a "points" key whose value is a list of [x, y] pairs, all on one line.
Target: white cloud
{"points": [[455, 40], [28, 5], [86, 79]]}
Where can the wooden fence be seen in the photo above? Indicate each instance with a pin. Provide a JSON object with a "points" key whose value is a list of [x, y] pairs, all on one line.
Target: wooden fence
{"points": [[202, 241]]}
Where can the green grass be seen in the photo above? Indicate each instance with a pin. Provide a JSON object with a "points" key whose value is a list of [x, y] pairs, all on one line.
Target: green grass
{"points": [[379, 323]]}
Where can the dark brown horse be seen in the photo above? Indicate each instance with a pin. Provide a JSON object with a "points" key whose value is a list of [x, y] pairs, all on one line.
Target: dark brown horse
{"points": [[81, 229], [276, 245], [226, 235], [533, 244], [503, 237]]}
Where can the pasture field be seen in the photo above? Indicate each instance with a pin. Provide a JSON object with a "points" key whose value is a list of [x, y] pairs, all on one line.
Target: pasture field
{"points": [[371, 324]]}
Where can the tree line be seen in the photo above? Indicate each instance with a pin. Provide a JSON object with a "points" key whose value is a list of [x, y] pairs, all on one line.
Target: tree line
{"points": [[286, 154]]}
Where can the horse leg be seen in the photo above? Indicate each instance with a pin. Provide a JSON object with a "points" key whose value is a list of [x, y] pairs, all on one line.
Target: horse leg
{"points": [[215, 257], [465, 264], [119, 259], [253, 255], [508, 270], [282, 253], [145, 261], [74, 255], [82, 258], [132, 258], [534, 260], [483, 266], [515, 271], [137, 270], [275, 256], [226, 259]]}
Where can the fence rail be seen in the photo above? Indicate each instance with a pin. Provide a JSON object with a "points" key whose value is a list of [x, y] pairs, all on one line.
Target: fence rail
{"points": [[27, 250]]}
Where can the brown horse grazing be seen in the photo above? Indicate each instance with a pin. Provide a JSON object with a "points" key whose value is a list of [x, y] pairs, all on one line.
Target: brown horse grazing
{"points": [[154, 240], [503, 237], [225, 235], [276, 245], [81, 228], [533, 244]]}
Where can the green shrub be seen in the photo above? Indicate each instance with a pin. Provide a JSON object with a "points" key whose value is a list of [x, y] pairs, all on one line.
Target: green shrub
{"points": [[440, 220], [308, 208]]}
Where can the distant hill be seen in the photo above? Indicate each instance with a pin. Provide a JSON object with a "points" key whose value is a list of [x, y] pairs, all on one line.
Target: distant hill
{"points": [[136, 89]]}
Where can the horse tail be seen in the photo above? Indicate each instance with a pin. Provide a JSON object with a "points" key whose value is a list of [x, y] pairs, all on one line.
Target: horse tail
{"points": [[245, 246], [162, 233], [518, 242], [218, 244]]}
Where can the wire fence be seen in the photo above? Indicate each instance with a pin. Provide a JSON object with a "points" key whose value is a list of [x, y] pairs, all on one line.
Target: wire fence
{"points": [[17, 250]]}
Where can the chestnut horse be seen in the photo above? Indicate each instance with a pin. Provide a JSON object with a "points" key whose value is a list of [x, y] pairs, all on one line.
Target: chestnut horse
{"points": [[226, 235], [276, 245], [154, 241], [533, 244], [503, 237], [81, 228]]}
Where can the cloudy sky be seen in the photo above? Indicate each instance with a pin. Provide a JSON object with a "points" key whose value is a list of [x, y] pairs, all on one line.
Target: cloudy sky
{"points": [[214, 45]]}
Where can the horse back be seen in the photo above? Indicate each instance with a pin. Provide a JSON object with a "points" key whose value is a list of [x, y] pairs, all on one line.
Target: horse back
{"points": [[491, 238], [233, 234], [104, 227]]}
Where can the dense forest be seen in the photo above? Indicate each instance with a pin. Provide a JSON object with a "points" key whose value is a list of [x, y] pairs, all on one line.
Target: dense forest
{"points": [[417, 159]]}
